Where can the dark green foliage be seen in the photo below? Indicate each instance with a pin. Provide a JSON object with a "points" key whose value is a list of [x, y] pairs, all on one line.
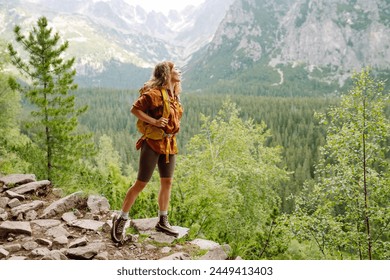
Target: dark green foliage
{"points": [[53, 121], [225, 186], [345, 212], [11, 140], [262, 80]]}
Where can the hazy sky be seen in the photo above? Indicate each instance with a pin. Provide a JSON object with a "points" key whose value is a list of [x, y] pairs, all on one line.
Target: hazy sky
{"points": [[165, 5]]}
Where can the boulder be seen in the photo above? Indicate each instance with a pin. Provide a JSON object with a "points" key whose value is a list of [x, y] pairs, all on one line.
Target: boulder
{"points": [[32, 187], [63, 205], [98, 204], [15, 227], [16, 179], [22, 209]]}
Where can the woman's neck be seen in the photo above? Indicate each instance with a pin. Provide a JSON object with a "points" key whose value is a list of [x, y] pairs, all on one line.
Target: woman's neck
{"points": [[170, 87]]}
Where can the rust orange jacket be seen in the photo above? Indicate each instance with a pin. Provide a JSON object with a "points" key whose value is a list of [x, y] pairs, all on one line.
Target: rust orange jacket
{"points": [[151, 102]]}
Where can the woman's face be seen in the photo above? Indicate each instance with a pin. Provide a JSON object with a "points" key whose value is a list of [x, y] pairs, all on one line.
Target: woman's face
{"points": [[175, 75]]}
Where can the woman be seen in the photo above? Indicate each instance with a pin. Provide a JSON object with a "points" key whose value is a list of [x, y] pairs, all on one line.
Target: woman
{"points": [[164, 121]]}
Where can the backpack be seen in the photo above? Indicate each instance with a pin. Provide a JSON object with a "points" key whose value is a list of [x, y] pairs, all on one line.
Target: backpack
{"points": [[151, 131]]}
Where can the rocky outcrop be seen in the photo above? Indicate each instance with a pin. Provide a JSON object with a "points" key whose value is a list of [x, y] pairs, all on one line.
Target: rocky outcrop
{"points": [[37, 223]]}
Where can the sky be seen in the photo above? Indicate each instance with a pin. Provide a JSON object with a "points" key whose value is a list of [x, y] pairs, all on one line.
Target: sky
{"points": [[165, 5]]}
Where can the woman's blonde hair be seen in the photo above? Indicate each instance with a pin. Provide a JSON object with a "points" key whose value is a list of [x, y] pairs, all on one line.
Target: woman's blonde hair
{"points": [[160, 77]]}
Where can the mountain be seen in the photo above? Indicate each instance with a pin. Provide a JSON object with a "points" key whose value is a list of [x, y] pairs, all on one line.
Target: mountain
{"points": [[269, 47], [116, 43], [275, 42]]}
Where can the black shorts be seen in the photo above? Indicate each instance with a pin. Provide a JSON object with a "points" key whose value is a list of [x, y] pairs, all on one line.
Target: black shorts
{"points": [[148, 161]]}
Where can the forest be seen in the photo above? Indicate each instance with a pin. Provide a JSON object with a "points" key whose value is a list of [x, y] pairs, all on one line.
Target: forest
{"points": [[275, 177]]}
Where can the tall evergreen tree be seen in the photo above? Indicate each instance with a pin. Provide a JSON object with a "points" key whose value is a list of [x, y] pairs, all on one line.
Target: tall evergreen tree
{"points": [[347, 211], [50, 79]]}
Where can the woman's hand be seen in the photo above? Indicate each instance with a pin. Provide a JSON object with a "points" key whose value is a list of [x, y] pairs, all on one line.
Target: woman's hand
{"points": [[161, 122]]}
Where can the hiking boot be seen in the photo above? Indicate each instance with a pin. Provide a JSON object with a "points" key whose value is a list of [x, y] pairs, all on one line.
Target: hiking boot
{"points": [[118, 225], [164, 226]]}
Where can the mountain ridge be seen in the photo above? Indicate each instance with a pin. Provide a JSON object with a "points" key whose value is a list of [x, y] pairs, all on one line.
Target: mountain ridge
{"points": [[326, 40], [219, 44], [105, 34]]}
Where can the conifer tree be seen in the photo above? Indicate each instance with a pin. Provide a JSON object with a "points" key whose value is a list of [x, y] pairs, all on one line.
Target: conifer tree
{"points": [[50, 80]]}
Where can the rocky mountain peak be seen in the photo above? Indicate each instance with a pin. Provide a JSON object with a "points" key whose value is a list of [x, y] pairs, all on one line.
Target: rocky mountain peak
{"points": [[338, 36], [347, 34]]}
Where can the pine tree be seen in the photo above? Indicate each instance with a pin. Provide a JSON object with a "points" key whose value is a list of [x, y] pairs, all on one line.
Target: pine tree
{"points": [[50, 79]]}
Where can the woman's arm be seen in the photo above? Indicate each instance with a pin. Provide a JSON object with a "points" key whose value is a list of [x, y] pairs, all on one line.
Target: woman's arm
{"points": [[161, 122]]}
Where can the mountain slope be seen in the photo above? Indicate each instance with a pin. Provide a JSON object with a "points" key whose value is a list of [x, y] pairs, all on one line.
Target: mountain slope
{"points": [[277, 41], [115, 43], [262, 47]]}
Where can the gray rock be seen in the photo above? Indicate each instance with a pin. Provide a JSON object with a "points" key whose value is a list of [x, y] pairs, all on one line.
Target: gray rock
{"points": [[31, 215], [164, 238], [218, 253], [55, 255], [32, 187], [177, 256], [57, 192], [4, 202], [85, 252], [3, 253], [12, 194], [166, 250], [69, 217], [40, 252], [46, 223], [147, 226], [101, 256], [107, 227], [204, 244], [57, 231], [34, 205], [60, 240], [30, 245], [144, 225], [18, 258], [14, 203], [98, 204], [79, 242], [63, 205], [15, 227], [87, 224], [4, 216], [160, 237], [118, 255], [12, 248], [150, 247], [43, 241], [17, 179]]}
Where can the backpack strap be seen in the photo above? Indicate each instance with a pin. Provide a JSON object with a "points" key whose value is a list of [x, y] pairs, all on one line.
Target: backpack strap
{"points": [[166, 113], [167, 109]]}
